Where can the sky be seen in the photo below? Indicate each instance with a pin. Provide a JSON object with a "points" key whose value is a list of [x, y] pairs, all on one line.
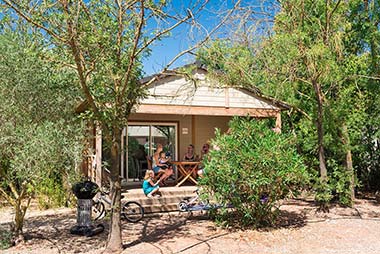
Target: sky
{"points": [[165, 50], [185, 36]]}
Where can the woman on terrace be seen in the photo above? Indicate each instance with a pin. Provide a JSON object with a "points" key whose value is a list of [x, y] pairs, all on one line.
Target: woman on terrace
{"points": [[161, 168]]}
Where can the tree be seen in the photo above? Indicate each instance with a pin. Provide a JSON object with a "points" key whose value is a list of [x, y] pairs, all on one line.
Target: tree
{"points": [[105, 42], [321, 30], [309, 60], [40, 135], [364, 41]]}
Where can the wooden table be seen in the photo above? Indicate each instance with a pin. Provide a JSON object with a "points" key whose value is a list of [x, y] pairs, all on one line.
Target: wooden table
{"points": [[186, 169]]}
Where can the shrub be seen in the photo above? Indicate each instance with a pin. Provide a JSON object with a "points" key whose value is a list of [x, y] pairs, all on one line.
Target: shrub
{"points": [[50, 193], [252, 168], [5, 239], [335, 189]]}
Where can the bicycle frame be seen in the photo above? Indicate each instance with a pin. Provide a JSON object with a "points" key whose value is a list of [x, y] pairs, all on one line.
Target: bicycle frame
{"points": [[132, 211], [193, 203], [190, 204]]}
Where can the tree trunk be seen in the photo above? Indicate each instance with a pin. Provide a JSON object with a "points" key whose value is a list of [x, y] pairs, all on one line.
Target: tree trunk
{"points": [[20, 209], [114, 243], [19, 218], [349, 166], [350, 169], [321, 151]]}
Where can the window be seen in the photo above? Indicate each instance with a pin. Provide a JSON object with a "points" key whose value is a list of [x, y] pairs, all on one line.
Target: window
{"points": [[142, 141]]}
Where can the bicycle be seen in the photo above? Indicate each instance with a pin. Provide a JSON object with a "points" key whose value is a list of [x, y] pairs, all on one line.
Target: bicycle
{"points": [[193, 203], [189, 204], [132, 211]]}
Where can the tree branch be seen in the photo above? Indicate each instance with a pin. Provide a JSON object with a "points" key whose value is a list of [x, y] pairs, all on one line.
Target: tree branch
{"points": [[78, 58], [205, 39], [120, 31], [7, 197], [179, 22], [13, 189], [158, 35], [87, 11], [367, 77], [132, 57], [14, 7], [335, 8], [195, 46]]}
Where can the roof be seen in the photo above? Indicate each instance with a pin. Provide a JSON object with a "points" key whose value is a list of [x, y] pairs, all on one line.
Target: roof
{"points": [[196, 94], [172, 92]]}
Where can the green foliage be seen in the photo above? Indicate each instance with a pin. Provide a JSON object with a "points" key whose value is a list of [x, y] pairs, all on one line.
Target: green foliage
{"points": [[341, 181], [336, 189], [51, 192], [364, 41], [252, 168], [323, 194], [41, 138], [5, 239], [331, 43]]}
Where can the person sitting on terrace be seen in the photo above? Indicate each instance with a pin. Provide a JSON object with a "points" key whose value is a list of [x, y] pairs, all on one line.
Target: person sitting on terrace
{"points": [[158, 167], [163, 160], [205, 150], [155, 160], [149, 187], [190, 155]]}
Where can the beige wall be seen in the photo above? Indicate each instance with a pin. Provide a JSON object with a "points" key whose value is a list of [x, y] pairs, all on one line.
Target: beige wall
{"points": [[195, 130], [205, 129]]}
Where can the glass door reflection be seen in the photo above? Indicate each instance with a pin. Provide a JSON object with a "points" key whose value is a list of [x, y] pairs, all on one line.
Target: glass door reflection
{"points": [[142, 142]]}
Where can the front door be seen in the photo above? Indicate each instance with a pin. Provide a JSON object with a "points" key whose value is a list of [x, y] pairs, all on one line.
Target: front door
{"points": [[142, 141]]}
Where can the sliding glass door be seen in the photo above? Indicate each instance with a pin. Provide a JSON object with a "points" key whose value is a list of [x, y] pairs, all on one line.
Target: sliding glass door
{"points": [[142, 141]]}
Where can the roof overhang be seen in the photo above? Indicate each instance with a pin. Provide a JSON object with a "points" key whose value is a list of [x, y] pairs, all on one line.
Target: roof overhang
{"points": [[203, 110]]}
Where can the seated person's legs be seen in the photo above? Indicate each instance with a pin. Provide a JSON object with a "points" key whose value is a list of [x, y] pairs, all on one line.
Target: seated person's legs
{"points": [[159, 171], [155, 190], [156, 169], [168, 172]]}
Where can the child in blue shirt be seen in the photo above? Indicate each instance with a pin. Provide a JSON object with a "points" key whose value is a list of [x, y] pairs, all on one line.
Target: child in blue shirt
{"points": [[149, 187]]}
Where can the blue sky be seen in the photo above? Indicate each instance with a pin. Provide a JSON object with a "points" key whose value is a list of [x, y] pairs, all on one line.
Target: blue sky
{"points": [[164, 51]]}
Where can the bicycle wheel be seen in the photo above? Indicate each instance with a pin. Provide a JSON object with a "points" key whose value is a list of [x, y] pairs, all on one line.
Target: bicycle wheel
{"points": [[98, 210], [132, 211], [182, 206]]}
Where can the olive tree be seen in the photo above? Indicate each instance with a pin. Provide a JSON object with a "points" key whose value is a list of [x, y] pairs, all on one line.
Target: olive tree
{"points": [[105, 42], [40, 135]]}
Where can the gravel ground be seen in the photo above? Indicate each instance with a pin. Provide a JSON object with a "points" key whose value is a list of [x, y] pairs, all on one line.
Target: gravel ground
{"points": [[300, 230]]}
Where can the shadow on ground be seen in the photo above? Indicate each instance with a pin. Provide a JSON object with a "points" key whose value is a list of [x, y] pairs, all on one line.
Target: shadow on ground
{"points": [[52, 232]]}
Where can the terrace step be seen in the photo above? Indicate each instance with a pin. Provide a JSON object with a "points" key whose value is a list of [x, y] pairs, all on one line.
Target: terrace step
{"points": [[160, 208], [168, 202]]}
